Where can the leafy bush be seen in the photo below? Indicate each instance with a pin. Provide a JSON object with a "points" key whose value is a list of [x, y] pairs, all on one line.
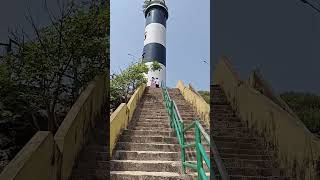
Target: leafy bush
{"points": [[307, 108], [205, 95]]}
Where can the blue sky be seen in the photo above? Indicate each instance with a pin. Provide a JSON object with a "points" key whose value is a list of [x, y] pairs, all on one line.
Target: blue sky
{"points": [[281, 38], [188, 39]]}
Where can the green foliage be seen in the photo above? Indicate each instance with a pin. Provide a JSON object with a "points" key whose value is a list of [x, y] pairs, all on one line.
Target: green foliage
{"points": [[123, 85], [205, 95], [307, 108], [155, 66]]}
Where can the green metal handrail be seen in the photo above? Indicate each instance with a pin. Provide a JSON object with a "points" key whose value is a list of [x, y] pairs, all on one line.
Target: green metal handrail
{"points": [[177, 123]]}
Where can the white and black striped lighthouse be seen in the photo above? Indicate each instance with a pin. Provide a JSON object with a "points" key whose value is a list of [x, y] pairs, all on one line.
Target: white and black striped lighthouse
{"points": [[156, 14]]}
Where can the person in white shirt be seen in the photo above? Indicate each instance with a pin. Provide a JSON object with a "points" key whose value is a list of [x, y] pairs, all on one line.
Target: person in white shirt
{"points": [[153, 82]]}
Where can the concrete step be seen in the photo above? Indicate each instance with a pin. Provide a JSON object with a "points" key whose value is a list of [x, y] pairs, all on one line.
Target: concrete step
{"points": [[237, 145], [151, 117], [148, 146], [149, 133], [150, 128], [225, 132], [256, 151], [147, 155], [95, 156], [241, 177], [152, 113], [91, 165], [143, 175], [237, 139], [230, 130], [219, 102], [153, 124], [214, 119], [234, 163], [148, 139], [149, 166], [223, 115], [157, 109], [79, 174], [262, 172], [150, 120], [246, 156]]}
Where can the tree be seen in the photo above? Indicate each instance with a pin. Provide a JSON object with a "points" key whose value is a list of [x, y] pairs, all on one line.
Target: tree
{"points": [[123, 85], [50, 71]]}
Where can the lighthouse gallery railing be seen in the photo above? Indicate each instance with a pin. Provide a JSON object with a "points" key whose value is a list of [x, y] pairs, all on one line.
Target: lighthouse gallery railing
{"points": [[177, 123]]}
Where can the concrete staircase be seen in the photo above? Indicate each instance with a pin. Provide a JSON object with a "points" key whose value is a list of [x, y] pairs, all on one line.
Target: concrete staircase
{"points": [[93, 161], [244, 153], [148, 149], [188, 115]]}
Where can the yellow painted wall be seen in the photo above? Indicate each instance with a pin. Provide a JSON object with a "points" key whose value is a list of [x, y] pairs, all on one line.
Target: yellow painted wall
{"points": [[118, 121], [121, 117], [200, 105], [33, 162], [74, 131], [297, 148]]}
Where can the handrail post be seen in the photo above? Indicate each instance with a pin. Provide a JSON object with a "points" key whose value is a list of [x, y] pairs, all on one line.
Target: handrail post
{"points": [[183, 149], [199, 156], [171, 114]]}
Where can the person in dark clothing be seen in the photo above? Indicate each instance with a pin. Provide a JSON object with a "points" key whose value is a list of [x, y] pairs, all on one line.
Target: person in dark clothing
{"points": [[157, 83]]}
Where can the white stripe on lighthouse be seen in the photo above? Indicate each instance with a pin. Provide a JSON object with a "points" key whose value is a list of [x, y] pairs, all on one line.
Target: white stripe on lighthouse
{"points": [[155, 33], [160, 74]]}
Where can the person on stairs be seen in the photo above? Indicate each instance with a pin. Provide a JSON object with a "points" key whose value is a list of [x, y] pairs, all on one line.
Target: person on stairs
{"points": [[153, 84], [157, 83]]}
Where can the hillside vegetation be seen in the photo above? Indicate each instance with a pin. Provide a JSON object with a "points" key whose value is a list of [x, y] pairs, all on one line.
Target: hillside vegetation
{"points": [[205, 95], [48, 69], [307, 108]]}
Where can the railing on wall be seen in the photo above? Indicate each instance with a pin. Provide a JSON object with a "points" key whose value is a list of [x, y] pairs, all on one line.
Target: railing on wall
{"points": [[178, 125]]}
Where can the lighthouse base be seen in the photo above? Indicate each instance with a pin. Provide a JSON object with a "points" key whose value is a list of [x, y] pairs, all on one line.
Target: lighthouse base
{"points": [[160, 74]]}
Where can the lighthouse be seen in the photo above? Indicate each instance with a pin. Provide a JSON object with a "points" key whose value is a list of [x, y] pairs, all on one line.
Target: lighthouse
{"points": [[156, 15]]}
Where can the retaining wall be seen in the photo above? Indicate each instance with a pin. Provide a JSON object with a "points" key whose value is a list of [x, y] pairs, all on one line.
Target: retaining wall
{"points": [[297, 148], [52, 158], [198, 103], [121, 117]]}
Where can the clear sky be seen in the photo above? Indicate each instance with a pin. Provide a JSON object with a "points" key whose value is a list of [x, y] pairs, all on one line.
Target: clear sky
{"points": [[188, 39], [282, 38]]}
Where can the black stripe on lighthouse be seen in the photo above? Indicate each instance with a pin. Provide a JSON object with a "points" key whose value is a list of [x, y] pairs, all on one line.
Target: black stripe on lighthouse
{"points": [[155, 35], [154, 49], [156, 15], [154, 52]]}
